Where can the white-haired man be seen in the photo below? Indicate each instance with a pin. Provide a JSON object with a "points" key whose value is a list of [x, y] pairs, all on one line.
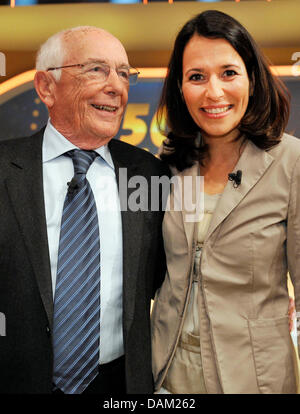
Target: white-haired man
{"points": [[76, 276]]}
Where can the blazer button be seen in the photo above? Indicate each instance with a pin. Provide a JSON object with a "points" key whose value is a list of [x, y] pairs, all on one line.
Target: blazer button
{"points": [[48, 331]]}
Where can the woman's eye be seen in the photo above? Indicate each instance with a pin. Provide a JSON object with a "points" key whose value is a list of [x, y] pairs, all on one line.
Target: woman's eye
{"points": [[229, 73], [196, 77]]}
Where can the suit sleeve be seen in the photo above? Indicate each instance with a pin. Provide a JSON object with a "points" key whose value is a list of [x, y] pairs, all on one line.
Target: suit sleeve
{"points": [[161, 266], [293, 238]]}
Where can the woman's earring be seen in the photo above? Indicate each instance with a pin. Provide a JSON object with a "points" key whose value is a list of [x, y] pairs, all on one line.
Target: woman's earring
{"points": [[199, 141], [251, 87], [182, 97], [180, 90]]}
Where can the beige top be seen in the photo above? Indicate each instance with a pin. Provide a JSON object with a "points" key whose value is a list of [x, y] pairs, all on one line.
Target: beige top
{"points": [[185, 375]]}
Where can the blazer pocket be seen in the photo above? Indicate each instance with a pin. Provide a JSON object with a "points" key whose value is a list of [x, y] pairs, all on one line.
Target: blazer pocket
{"points": [[273, 355]]}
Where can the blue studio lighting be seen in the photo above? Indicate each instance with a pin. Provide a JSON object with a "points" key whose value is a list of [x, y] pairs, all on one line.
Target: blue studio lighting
{"points": [[125, 1], [25, 2]]}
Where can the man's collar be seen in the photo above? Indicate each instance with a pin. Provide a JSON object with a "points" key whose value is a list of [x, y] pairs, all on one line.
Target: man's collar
{"points": [[55, 144]]}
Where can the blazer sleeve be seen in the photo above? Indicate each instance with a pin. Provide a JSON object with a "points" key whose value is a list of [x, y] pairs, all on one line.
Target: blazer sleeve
{"points": [[293, 238]]}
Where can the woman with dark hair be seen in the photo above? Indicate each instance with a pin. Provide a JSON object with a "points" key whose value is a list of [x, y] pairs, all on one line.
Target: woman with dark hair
{"points": [[220, 320]]}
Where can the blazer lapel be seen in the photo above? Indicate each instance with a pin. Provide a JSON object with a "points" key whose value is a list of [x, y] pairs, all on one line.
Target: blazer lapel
{"points": [[25, 188], [191, 208], [132, 228], [253, 163]]}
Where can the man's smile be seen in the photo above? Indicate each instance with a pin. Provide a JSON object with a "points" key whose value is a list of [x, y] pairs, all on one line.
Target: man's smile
{"points": [[107, 108]]}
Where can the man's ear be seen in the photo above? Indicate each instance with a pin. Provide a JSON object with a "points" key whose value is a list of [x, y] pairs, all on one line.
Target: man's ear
{"points": [[45, 87]]}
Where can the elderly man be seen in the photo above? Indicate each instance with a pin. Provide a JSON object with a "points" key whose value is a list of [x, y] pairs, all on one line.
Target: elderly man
{"points": [[77, 270]]}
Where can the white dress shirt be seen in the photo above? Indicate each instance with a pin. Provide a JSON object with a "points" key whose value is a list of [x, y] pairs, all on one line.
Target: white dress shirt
{"points": [[57, 171]]}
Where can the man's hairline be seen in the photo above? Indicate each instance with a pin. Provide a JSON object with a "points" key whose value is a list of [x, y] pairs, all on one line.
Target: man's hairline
{"points": [[82, 30]]}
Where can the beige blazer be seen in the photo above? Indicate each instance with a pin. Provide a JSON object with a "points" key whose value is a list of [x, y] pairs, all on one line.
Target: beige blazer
{"points": [[252, 241]]}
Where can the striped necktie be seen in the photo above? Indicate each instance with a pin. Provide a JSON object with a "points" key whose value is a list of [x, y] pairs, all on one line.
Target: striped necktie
{"points": [[76, 331]]}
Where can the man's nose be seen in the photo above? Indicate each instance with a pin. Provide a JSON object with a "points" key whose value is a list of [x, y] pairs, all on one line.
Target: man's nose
{"points": [[114, 84]]}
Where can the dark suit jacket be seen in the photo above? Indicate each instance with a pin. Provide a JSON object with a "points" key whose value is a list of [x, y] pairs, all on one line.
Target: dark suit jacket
{"points": [[25, 280]]}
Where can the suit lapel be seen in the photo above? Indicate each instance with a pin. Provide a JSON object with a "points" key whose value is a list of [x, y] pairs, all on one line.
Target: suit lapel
{"points": [[25, 188], [253, 163], [132, 228]]}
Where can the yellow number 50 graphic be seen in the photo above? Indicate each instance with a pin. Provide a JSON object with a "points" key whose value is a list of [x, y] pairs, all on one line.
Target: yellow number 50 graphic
{"points": [[155, 135], [139, 127], [135, 124]]}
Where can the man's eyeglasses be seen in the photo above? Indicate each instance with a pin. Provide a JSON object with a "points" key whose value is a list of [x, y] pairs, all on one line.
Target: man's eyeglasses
{"points": [[99, 71]]}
